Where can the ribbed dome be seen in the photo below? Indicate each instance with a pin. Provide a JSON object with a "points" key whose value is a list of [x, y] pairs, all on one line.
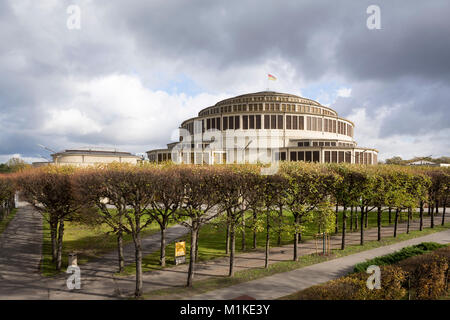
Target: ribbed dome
{"points": [[270, 94]]}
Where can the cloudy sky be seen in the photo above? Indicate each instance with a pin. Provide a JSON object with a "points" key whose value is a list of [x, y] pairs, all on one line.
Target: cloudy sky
{"points": [[136, 69]]}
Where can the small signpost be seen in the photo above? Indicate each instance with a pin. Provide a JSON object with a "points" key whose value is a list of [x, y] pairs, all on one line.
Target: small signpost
{"points": [[180, 252], [326, 245]]}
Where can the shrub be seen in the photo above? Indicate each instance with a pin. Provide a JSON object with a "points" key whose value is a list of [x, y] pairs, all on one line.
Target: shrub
{"points": [[353, 287], [400, 255]]}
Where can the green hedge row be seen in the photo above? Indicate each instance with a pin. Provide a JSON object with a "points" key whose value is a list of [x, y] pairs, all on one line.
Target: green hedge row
{"points": [[400, 255]]}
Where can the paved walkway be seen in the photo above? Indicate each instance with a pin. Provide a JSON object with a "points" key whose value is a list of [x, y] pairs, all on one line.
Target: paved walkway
{"points": [[20, 256], [282, 284]]}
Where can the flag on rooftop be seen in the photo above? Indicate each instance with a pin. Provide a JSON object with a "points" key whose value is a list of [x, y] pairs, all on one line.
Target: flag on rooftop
{"points": [[271, 77]]}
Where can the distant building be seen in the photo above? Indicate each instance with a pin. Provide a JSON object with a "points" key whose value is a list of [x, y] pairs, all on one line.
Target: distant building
{"points": [[423, 163], [265, 127], [86, 157]]}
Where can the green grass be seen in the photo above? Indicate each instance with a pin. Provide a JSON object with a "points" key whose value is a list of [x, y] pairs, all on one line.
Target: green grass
{"points": [[89, 242], [4, 223], [278, 267], [212, 239]]}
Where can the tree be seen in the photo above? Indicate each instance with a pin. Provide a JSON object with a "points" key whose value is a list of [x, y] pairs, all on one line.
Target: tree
{"points": [[273, 187], [100, 190], [346, 191], [167, 200], [17, 164], [138, 190], [233, 185], [307, 188], [7, 191], [394, 160], [50, 191], [200, 198]]}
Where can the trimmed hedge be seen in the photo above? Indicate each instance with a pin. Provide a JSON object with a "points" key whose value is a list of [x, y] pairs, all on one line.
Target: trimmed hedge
{"points": [[400, 255]]}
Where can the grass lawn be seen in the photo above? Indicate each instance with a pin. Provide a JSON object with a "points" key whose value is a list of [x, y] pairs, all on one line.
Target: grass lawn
{"points": [[88, 241], [284, 266], [212, 239], [4, 223]]}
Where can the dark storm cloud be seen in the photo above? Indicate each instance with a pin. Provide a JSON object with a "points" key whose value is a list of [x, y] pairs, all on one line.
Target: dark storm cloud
{"points": [[403, 67]]}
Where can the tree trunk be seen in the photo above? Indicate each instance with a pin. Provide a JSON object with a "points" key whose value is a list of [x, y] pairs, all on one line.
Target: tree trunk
{"points": [[254, 231], [266, 261], [54, 239], [379, 222], [443, 213], [409, 220], [344, 225], [351, 218], [192, 255], [227, 245], [361, 226], [356, 218], [396, 222], [243, 232], [60, 244], [162, 255], [296, 219], [120, 250], [232, 249], [138, 258], [196, 245], [390, 215], [366, 216], [421, 216], [432, 217], [336, 227], [280, 223], [437, 207]]}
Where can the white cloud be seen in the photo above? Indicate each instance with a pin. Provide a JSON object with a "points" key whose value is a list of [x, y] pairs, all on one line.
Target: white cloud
{"points": [[69, 122], [344, 92]]}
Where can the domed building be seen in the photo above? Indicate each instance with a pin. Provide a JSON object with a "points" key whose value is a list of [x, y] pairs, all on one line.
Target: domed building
{"points": [[265, 127]]}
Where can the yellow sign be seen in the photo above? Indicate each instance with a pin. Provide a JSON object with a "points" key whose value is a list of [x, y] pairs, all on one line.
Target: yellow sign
{"points": [[180, 249]]}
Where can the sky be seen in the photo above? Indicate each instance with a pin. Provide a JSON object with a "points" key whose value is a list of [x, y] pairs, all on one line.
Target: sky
{"points": [[134, 70]]}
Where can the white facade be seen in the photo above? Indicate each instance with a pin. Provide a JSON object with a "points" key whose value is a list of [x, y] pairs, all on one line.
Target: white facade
{"points": [[266, 127]]}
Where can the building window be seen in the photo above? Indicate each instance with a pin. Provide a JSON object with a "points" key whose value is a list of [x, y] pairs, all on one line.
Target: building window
{"points": [[348, 155], [300, 144], [293, 155], [308, 156], [245, 122], [301, 156], [225, 123], [236, 122], [327, 156], [266, 121], [301, 123], [218, 123], [258, 121], [283, 156], [334, 156], [288, 122], [280, 122], [252, 122], [341, 156], [316, 156], [273, 122], [231, 122], [295, 122]]}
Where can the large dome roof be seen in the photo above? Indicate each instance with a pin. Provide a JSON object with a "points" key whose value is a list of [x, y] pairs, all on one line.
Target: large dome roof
{"points": [[294, 98]]}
